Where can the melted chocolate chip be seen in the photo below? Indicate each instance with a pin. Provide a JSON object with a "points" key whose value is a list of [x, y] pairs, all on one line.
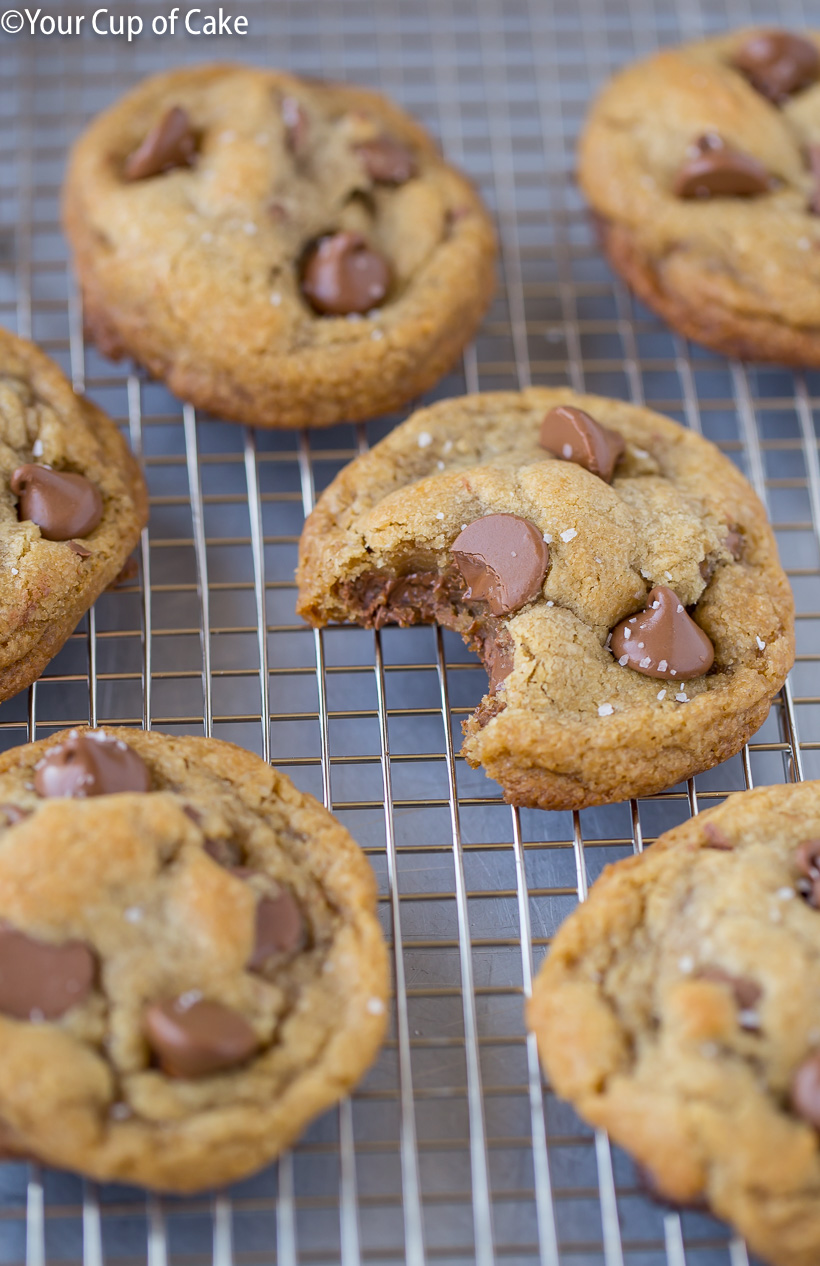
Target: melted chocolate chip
{"points": [[503, 559], [716, 170], [14, 814], [224, 852], [499, 660], [295, 119], [387, 161], [805, 1091], [62, 504], [777, 63], [90, 764], [576, 437], [715, 839], [280, 928], [663, 641], [197, 1038], [170, 143], [747, 993], [342, 274], [39, 980]]}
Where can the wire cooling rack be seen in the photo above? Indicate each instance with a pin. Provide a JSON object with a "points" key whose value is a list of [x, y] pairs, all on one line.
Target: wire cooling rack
{"points": [[452, 1149]]}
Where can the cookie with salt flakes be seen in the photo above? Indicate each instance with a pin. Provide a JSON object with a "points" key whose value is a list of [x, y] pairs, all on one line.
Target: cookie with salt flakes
{"points": [[614, 570]]}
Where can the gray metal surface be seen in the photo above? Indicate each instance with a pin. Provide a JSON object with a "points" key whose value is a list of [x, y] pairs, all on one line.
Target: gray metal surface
{"points": [[452, 1149]]}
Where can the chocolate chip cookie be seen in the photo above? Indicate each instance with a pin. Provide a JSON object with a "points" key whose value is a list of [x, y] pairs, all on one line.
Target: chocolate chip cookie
{"points": [[72, 503], [190, 964], [679, 1008], [615, 572], [702, 166], [282, 251]]}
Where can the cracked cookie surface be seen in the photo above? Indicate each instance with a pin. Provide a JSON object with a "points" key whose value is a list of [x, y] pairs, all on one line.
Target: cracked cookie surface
{"points": [[46, 585], [238, 974], [565, 724], [736, 272], [679, 1009], [204, 266]]}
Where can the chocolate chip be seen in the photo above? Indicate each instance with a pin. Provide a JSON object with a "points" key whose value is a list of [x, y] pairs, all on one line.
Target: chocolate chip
{"points": [[503, 559], [14, 814], [170, 143], [280, 928], [663, 641], [81, 551], [387, 161], [747, 993], [295, 119], [805, 1091], [224, 852], [62, 504], [715, 839], [90, 764], [576, 437], [40, 980], [342, 274], [716, 170], [777, 63], [193, 1038]]}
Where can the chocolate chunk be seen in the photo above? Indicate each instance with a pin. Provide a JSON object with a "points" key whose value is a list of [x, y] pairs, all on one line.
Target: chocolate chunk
{"points": [[62, 504], [224, 852], [807, 859], [576, 437], [716, 170], [90, 764], [715, 839], [82, 552], [14, 814], [498, 660], [295, 119], [805, 1091], [170, 143], [503, 559], [342, 274], [39, 980], [777, 63], [280, 928], [193, 1038], [747, 993], [387, 161], [663, 641]]}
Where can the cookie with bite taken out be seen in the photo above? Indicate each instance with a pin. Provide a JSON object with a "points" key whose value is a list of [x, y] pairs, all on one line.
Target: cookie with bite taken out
{"points": [[614, 570], [191, 967], [283, 251]]}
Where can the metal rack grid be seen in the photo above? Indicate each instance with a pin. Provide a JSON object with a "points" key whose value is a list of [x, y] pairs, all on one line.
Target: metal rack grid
{"points": [[452, 1149]]}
